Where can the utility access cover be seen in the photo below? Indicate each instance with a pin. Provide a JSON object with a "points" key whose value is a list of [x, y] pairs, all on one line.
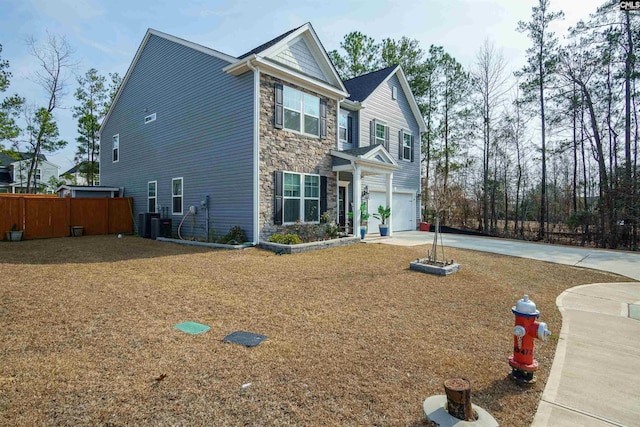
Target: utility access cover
{"points": [[246, 339], [192, 328]]}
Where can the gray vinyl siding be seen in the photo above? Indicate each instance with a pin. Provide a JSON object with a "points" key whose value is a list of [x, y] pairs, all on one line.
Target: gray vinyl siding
{"points": [[299, 57], [203, 133], [397, 115]]}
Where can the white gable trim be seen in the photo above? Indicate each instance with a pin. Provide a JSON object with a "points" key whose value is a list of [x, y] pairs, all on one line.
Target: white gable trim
{"points": [[145, 40], [404, 83]]}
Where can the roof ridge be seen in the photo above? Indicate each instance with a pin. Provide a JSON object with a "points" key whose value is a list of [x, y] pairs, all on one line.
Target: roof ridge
{"points": [[271, 42]]}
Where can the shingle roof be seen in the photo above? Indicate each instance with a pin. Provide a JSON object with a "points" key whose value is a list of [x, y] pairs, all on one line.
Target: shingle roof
{"points": [[268, 44], [361, 87], [360, 151], [6, 159]]}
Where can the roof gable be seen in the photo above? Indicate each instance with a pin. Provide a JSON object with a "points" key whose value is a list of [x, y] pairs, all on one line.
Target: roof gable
{"points": [[360, 88], [297, 55]]}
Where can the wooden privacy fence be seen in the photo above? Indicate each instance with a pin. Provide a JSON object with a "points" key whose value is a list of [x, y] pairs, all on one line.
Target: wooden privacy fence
{"points": [[44, 216]]}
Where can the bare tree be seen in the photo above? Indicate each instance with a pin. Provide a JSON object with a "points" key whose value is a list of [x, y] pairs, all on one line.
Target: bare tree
{"points": [[489, 82], [54, 66]]}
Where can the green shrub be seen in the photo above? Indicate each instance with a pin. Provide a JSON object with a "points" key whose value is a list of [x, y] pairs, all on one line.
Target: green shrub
{"points": [[235, 236], [285, 239]]}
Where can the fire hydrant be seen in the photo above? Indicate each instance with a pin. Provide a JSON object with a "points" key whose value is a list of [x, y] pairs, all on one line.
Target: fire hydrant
{"points": [[522, 363]]}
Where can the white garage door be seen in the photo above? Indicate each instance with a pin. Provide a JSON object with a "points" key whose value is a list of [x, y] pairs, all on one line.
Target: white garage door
{"points": [[402, 211]]}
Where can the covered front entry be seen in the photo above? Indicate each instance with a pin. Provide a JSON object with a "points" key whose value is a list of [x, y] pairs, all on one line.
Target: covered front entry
{"points": [[356, 164]]}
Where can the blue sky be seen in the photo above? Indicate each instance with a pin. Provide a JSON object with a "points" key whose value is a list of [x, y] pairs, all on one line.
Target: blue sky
{"points": [[106, 34]]}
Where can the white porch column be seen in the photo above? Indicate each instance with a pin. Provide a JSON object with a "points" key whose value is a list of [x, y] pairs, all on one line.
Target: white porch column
{"points": [[390, 200], [357, 196]]}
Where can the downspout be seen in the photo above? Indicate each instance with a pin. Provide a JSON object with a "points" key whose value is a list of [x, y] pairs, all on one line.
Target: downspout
{"points": [[256, 152]]}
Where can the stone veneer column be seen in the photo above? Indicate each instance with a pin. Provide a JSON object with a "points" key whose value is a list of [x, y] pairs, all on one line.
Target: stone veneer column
{"points": [[283, 150]]}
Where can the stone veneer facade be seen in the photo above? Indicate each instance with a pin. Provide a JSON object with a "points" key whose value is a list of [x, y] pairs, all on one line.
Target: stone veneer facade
{"points": [[284, 150]]}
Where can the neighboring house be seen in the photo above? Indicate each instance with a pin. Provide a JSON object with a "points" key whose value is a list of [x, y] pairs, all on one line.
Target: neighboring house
{"points": [[270, 138], [17, 169], [74, 177]]}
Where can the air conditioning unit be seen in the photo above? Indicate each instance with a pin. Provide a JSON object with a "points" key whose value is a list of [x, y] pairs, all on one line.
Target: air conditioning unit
{"points": [[144, 223]]}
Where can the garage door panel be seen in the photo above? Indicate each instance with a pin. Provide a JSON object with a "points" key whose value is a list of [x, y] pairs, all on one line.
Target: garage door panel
{"points": [[402, 211]]}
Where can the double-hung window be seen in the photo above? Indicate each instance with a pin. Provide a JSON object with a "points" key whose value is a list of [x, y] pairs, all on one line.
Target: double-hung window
{"points": [[116, 148], [380, 136], [406, 146], [176, 196], [301, 197], [152, 195], [343, 126], [38, 174], [301, 111]]}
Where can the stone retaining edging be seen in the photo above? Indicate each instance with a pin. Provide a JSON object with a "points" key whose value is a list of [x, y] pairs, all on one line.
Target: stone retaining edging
{"points": [[311, 246]]}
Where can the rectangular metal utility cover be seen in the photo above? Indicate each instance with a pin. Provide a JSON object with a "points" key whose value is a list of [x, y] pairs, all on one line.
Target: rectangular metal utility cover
{"points": [[246, 339], [192, 328]]}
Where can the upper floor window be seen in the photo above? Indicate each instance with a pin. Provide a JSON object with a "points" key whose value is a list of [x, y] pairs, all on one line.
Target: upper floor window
{"points": [[38, 174], [380, 137], [343, 126], [406, 146], [116, 148], [301, 111], [394, 92]]}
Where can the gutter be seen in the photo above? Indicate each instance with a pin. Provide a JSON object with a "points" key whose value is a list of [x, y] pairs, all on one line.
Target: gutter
{"points": [[256, 152]]}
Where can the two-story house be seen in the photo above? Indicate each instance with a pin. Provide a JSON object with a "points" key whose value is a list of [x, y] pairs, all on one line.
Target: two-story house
{"points": [[14, 172], [262, 140]]}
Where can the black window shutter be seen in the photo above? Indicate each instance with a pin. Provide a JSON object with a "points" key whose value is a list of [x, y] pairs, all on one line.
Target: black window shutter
{"points": [[386, 137], [412, 148], [323, 118], [277, 205], [350, 129], [323, 194], [372, 132], [400, 145], [279, 110]]}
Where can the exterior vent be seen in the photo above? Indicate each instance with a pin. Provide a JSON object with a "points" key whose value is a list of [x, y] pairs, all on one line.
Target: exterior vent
{"points": [[150, 118]]}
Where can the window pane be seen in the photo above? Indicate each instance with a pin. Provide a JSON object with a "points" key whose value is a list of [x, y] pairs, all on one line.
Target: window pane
{"points": [[177, 187], [407, 153], [292, 98], [343, 119], [311, 125], [152, 205], [152, 189], [291, 210], [177, 204], [379, 131], [291, 185], [311, 211], [291, 120], [311, 186], [343, 134], [311, 105]]}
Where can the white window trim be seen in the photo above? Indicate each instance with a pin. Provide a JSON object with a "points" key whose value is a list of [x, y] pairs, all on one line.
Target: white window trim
{"points": [[300, 111], [302, 197], [151, 118], [394, 92], [155, 204], [404, 145], [345, 127], [375, 135], [175, 195], [115, 148]]}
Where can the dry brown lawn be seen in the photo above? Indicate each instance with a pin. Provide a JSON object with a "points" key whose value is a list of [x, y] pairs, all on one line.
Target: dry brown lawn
{"points": [[354, 337]]}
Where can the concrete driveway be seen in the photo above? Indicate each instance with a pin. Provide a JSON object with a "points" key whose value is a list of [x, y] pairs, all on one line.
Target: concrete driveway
{"points": [[619, 262], [594, 379]]}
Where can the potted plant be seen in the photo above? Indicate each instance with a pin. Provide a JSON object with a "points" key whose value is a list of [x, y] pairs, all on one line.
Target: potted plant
{"points": [[383, 215], [364, 217], [14, 235]]}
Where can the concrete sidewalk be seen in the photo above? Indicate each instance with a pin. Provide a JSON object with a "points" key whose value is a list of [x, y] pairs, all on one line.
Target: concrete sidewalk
{"points": [[595, 376]]}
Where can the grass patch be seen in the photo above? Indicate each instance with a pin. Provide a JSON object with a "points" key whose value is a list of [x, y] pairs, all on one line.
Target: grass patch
{"points": [[355, 338]]}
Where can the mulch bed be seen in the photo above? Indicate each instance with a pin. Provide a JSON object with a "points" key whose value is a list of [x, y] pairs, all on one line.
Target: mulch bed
{"points": [[354, 337]]}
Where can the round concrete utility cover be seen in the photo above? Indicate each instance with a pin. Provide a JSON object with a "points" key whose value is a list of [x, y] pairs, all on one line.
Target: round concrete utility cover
{"points": [[435, 410]]}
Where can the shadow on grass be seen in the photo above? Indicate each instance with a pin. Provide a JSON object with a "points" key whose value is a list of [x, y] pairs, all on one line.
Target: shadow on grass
{"points": [[89, 249]]}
